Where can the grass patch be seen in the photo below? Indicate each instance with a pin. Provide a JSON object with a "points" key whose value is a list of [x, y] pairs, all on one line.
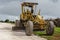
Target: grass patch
{"points": [[55, 36]]}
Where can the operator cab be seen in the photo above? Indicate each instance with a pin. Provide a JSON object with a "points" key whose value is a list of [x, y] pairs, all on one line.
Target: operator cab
{"points": [[29, 6], [29, 9]]}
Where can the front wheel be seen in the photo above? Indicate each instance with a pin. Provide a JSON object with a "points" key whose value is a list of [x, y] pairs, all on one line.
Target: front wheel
{"points": [[29, 28], [50, 28]]}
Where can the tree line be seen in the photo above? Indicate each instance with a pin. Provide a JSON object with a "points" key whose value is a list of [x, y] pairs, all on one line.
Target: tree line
{"points": [[7, 21], [56, 21]]}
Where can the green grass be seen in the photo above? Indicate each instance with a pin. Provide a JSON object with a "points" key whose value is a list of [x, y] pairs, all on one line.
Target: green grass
{"points": [[55, 36]]}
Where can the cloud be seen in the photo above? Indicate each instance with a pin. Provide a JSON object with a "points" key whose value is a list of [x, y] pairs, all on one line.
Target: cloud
{"points": [[54, 1], [49, 17], [12, 18], [49, 8], [12, 8]]}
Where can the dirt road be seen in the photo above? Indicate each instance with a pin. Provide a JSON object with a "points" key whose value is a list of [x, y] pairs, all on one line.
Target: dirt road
{"points": [[6, 33]]}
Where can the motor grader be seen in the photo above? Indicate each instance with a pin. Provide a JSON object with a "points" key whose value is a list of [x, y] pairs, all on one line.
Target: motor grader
{"points": [[30, 20]]}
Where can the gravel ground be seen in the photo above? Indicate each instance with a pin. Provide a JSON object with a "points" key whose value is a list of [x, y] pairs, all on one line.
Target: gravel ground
{"points": [[6, 33]]}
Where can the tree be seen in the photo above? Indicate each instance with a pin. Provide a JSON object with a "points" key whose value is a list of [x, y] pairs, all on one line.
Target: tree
{"points": [[7, 20]]}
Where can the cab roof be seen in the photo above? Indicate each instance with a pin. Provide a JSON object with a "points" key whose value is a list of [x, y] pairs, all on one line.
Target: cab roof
{"points": [[29, 4]]}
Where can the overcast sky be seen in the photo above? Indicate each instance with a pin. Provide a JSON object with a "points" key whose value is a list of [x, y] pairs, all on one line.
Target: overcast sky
{"points": [[11, 9]]}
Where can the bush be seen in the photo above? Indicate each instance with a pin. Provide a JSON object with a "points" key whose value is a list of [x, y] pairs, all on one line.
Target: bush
{"points": [[7, 20], [12, 22], [1, 21]]}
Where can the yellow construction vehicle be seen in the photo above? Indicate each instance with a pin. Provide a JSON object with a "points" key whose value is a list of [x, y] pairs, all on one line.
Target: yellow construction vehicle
{"points": [[31, 21]]}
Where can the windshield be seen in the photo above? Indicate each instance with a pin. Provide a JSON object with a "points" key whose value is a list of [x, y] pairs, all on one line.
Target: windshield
{"points": [[32, 10]]}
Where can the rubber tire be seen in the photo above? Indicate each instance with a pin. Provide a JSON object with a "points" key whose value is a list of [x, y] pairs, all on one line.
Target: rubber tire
{"points": [[50, 28], [29, 28]]}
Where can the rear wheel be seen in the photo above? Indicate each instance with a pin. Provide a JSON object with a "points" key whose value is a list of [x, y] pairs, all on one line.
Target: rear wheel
{"points": [[29, 28], [50, 28]]}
